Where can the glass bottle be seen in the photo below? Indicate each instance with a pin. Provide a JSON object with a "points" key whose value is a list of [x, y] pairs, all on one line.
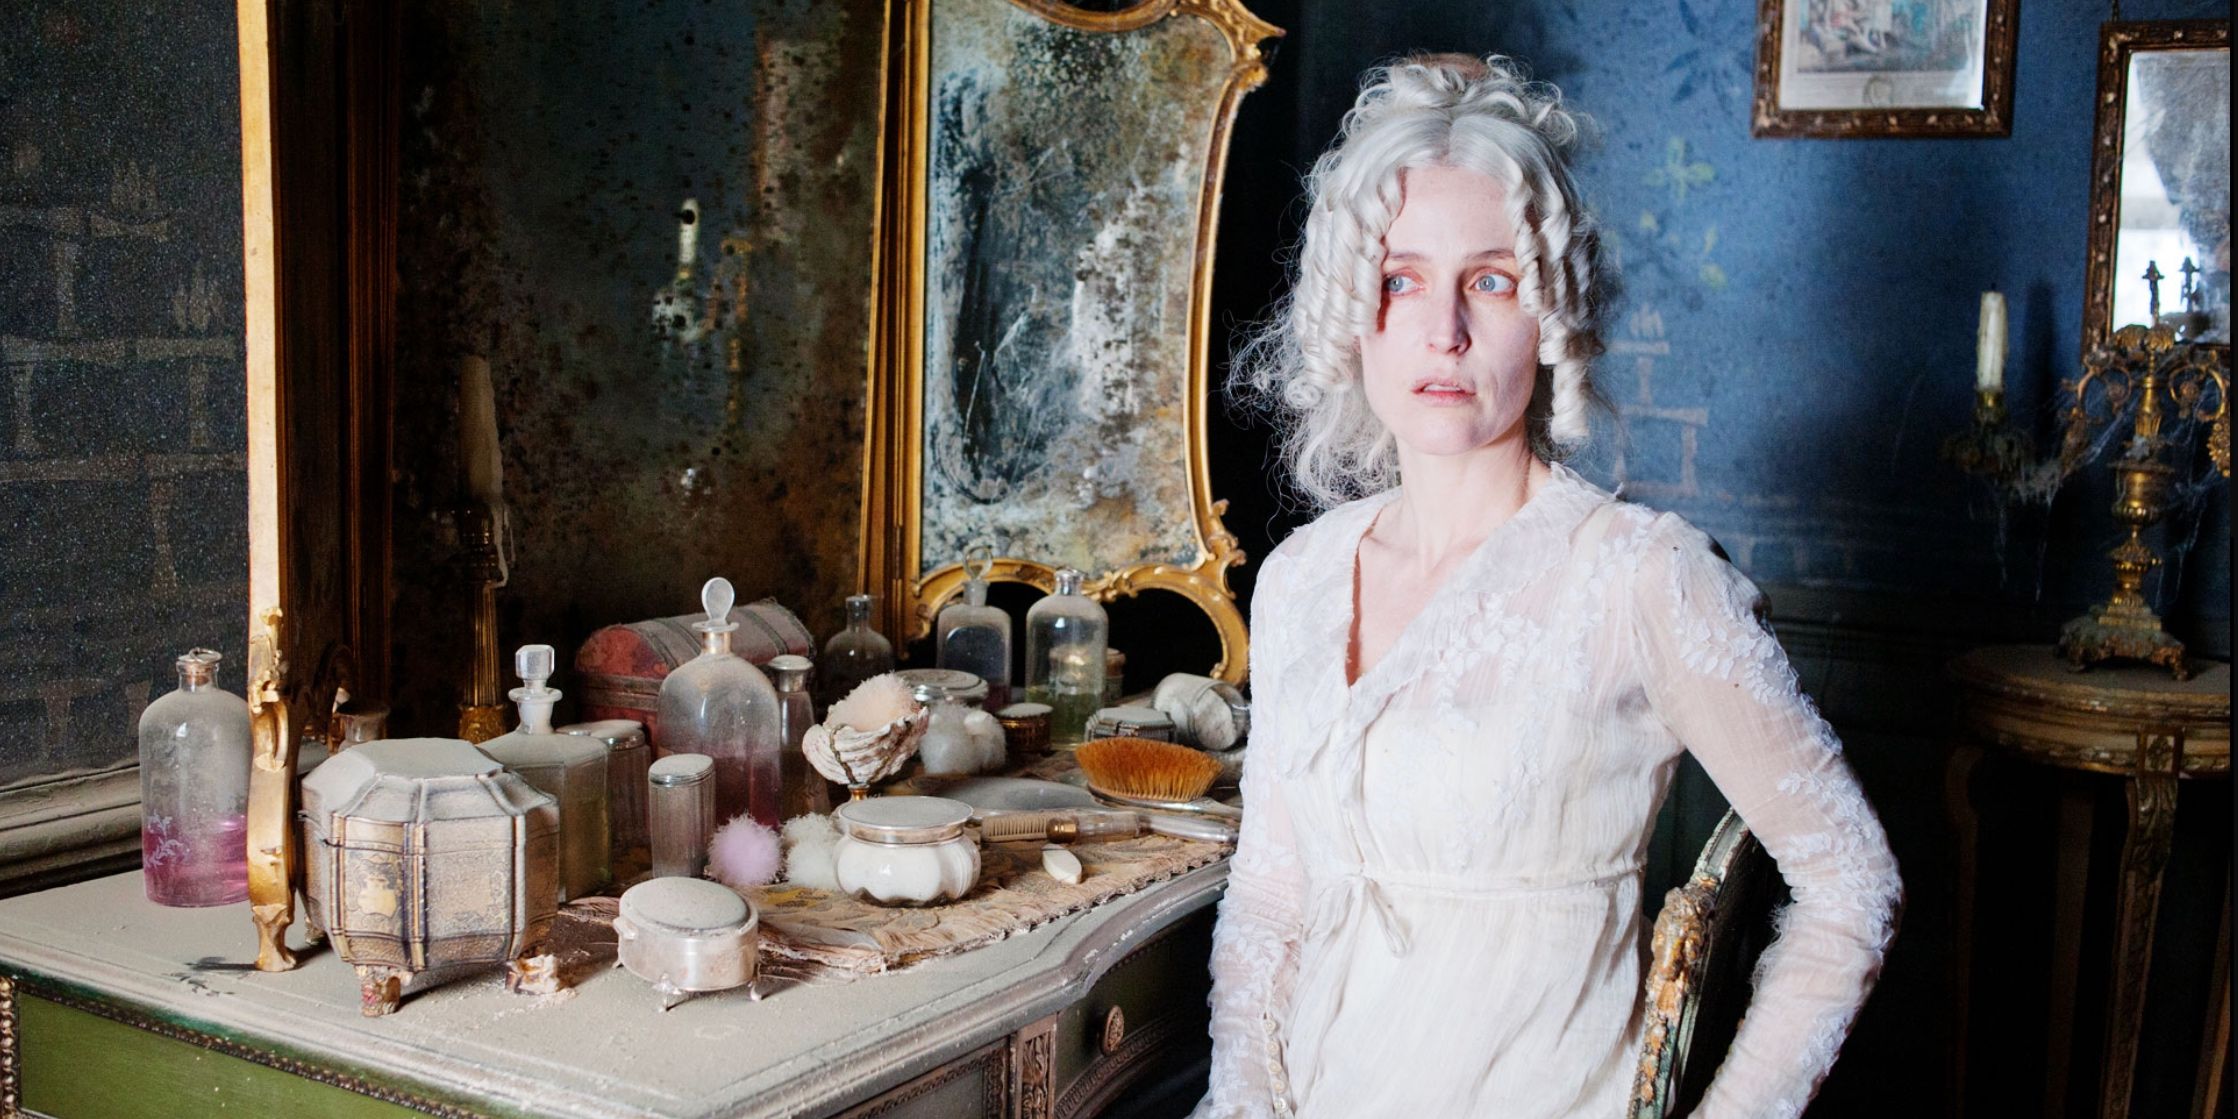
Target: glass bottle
{"points": [[804, 789], [1065, 641], [194, 790], [854, 654], [570, 768], [975, 637], [718, 705]]}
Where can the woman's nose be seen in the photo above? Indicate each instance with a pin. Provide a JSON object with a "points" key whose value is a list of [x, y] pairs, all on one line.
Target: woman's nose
{"points": [[1447, 331]]}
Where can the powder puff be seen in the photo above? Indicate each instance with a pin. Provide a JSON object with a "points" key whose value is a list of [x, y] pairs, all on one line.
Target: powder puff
{"points": [[810, 858], [743, 853]]}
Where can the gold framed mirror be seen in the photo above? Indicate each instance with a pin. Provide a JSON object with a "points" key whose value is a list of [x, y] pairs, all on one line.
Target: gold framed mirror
{"points": [[2160, 175], [1042, 376]]}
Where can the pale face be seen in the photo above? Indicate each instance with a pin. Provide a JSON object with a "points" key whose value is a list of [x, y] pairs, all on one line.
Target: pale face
{"points": [[1450, 365]]}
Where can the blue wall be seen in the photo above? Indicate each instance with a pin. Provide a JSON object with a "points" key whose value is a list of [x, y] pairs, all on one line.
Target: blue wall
{"points": [[1796, 331]]}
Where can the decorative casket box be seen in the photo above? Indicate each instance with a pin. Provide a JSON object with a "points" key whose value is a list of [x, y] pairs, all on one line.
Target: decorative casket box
{"points": [[622, 666], [423, 854]]}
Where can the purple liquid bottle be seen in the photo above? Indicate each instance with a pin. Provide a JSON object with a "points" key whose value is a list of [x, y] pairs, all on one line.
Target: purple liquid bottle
{"points": [[194, 790]]}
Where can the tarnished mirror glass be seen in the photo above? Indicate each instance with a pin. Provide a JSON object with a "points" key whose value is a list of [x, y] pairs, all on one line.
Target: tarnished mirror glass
{"points": [[2161, 178], [1058, 191]]}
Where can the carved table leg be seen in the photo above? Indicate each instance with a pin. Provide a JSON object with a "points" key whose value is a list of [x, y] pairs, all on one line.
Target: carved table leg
{"points": [[379, 990], [2214, 1038], [2144, 854], [1033, 1070]]}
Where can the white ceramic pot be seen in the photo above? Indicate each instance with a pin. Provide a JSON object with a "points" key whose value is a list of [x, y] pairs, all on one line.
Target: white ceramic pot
{"points": [[905, 850]]}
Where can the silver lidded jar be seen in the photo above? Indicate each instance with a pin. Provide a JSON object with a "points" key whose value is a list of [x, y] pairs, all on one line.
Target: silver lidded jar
{"points": [[1131, 722], [905, 851], [681, 811], [687, 936]]}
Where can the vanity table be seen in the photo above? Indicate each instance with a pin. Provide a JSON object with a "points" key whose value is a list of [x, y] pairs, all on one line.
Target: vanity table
{"points": [[111, 1008]]}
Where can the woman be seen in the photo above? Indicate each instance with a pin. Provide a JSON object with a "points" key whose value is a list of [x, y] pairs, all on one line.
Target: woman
{"points": [[1474, 682]]}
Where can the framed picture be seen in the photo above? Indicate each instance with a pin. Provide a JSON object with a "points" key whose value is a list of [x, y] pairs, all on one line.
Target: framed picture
{"points": [[2160, 178], [1834, 68]]}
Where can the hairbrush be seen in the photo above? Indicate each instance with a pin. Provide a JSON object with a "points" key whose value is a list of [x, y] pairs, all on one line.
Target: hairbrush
{"points": [[1147, 773]]}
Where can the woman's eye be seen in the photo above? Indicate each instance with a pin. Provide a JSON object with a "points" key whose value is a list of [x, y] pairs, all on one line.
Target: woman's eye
{"points": [[1493, 283], [1397, 285]]}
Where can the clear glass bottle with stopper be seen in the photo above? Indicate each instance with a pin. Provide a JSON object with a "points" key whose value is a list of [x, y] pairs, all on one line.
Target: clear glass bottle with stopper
{"points": [[194, 790], [718, 705], [1066, 634], [570, 768], [975, 637], [804, 790], [854, 654]]}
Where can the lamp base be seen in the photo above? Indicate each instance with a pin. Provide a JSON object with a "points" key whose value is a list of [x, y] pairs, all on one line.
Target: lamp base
{"points": [[2121, 631]]}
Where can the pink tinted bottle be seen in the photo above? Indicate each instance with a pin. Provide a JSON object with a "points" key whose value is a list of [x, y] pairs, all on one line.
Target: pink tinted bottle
{"points": [[194, 790]]}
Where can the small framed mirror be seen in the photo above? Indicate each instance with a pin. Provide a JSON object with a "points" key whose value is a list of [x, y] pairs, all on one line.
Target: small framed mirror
{"points": [[2160, 178], [1054, 182]]}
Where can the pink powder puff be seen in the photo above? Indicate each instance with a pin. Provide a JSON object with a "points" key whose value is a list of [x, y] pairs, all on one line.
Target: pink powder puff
{"points": [[744, 853]]}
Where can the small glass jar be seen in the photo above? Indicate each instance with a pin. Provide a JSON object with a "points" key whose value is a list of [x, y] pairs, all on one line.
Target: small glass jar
{"points": [[1025, 730], [628, 755], [905, 851], [1207, 713], [1131, 722], [959, 737], [974, 637], [802, 789], [854, 654], [1066, 635], [1114, 677], [682, 811], [194, 790]]}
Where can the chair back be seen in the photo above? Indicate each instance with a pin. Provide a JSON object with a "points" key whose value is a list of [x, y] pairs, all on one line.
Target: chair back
{"points": [[1706, 942]]}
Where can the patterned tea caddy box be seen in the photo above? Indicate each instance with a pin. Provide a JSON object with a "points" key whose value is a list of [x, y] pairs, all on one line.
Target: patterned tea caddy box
{"points": [[622, 666]]}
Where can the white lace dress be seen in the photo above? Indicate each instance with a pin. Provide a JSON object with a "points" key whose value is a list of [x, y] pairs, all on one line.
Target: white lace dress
{"points": [[1434, 909]]}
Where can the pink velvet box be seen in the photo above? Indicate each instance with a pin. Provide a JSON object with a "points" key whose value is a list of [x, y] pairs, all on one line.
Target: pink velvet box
{"points": [[621, 667]]}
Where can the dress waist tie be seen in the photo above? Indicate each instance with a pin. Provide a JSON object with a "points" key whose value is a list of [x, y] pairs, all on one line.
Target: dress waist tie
{"points": [[1339, 900]]}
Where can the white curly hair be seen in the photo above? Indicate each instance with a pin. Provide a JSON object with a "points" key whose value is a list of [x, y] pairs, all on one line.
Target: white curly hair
{"points": [[1452, 110]]}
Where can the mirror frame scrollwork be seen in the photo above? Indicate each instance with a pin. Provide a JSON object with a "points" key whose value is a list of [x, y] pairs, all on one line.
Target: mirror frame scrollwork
{"points": [[891, 552]]}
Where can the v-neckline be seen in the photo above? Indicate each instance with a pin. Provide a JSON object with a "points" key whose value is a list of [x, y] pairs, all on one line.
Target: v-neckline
{"points": [[1353, 680]]}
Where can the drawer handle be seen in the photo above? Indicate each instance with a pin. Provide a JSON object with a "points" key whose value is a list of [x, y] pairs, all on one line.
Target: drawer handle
{"points": [[1114, 1031]]}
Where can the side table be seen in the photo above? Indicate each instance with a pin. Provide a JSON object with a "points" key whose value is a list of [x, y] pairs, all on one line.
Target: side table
{"points": [[2132, 722]]}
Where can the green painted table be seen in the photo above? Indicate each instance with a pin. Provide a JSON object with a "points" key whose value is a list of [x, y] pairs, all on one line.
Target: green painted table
{"points": [[112, 1008]]}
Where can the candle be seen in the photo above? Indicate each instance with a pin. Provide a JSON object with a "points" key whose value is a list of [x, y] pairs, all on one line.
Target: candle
{"points": [[687, 238], [479, 458], [1989, 345]]}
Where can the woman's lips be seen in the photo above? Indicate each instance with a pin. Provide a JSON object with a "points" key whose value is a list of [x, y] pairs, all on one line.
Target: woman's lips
{"points": [[1445, 393]]}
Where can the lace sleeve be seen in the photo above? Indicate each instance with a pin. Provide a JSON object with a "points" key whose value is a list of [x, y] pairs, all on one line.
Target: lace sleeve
{"points": [[1719, 680], [1255, 943]]}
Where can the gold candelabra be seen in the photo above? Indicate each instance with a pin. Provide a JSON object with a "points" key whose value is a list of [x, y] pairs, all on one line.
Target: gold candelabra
{"points": [[2169, 381]]}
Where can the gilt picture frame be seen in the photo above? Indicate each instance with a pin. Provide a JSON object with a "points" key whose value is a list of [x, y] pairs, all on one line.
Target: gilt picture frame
{"points": [[1042, 375], [1884, 68]]}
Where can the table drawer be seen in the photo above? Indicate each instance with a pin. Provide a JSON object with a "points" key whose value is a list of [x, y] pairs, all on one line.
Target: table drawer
{"points": [[1158, 993], [71, 1062]]}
